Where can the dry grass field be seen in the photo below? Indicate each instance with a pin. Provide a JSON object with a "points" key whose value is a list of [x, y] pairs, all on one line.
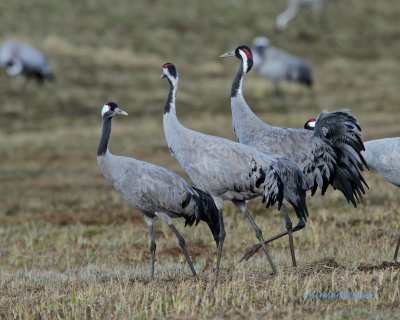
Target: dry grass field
{"points": [[71, 248]]}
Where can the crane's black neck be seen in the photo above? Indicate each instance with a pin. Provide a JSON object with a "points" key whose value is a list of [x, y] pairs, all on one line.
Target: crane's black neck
{"points": [[237, 82], [105, 136], [171, 97]]}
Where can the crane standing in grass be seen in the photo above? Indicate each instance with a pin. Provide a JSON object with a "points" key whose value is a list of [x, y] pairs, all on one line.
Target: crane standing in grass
{"points": [[278, 65], [20, 58], [231, 171], [156, 191], [381, 155], [329, 156]]}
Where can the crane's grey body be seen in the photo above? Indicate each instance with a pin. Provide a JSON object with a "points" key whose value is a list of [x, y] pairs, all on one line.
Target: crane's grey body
{"points": [[147, 187], [383, 155], [290, 142], [21, 58], [331, 155], [154, 190], [293, 8], [232, 171], [224, 168], [278, 65]]}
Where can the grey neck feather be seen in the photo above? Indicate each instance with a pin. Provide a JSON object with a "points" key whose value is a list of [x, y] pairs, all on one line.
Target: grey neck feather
{"points": [[174, 131], [171, 97], [237, 82], [244, 119], [105, 136]]}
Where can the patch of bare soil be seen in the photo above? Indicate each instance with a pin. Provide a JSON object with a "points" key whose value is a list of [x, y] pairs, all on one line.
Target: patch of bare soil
{"points": [[195, 249], [89, 217]]}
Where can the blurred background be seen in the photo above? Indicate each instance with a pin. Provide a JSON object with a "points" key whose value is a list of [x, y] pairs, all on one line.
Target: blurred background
{"points": [[101, 52]]}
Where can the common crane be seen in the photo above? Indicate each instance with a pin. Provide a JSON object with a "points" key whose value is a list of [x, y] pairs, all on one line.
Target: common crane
{"points": [[329, 156], [232, 171], [278, 65], [381, 155], [293, 8], [21, 58], [154, 190]]}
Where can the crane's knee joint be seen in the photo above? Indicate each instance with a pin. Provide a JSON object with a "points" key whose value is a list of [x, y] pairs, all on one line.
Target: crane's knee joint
{"points": [[181, 242], [258, 233], [300, 225], [222, 236], [153, 246], [289, 225]]}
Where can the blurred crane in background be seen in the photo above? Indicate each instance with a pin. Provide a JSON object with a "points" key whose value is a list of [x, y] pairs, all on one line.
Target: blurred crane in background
{"points": [[20, 58], [293, 8], [278, 65]]}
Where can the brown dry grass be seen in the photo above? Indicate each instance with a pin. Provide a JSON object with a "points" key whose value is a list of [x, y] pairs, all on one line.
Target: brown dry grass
{"points": [[71, 248]]}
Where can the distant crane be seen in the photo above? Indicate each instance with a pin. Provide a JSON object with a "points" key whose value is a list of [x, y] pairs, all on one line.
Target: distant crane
{"points": [[293, 8], [154, 190], [20, 58], [232, 171], [329, 156], [381, 155], [278, 65]]}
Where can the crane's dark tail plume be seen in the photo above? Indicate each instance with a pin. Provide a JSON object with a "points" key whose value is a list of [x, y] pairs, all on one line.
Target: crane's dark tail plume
{"points": [[287, 183], [206, 211], [337, 158]]}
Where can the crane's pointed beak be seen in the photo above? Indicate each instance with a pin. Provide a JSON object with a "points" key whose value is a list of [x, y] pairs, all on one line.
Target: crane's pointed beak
{"points": [[162, 76], [228, 54], [121, 112]]}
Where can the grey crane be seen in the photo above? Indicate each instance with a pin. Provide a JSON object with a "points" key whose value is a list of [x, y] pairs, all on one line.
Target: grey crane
{"points": [[381, 155], [154, 190], [21, 58], [231, 171], [278, 65], [293, 8], [329, 156]]}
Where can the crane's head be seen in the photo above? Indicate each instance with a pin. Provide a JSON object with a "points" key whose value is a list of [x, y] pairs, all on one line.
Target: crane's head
{"points": [[310, 124], [110, 109], [169, 72], [243, 53], [260, 45]]}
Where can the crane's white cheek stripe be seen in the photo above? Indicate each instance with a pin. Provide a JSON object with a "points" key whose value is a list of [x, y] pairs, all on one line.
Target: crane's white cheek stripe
{"points": [[105, 109], [244, 59]]}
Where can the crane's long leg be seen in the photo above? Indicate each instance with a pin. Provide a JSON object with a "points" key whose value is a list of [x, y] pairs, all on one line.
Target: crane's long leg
{"points": [[183, 246], [290, 234], [221, 239], [396, 252], [149, 221], [258, 235], [152, 250], [252, 250]]}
